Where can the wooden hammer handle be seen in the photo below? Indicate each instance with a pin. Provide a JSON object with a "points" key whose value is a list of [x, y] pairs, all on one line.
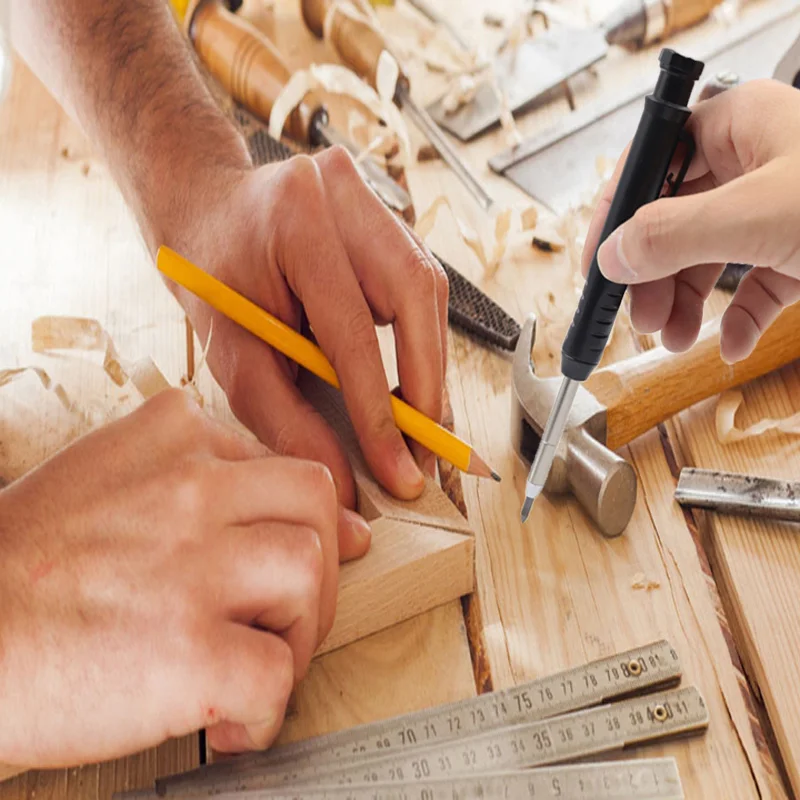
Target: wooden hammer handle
{"points": [[685, 13], [355, 40], [643, 391], [248, 66]]}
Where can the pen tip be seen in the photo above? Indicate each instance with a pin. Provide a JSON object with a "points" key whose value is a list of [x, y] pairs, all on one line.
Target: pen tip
{"points": [[526, 509], [495, 476]]}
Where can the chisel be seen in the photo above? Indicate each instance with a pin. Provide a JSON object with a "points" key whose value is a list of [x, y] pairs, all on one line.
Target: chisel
{"points": [[661, 128], [249, 67], [637, 23], [360, 46]]}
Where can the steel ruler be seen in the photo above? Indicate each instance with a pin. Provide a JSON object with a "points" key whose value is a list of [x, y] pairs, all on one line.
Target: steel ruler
{"points": [[636, 671], [645, 779], [564, 738]]}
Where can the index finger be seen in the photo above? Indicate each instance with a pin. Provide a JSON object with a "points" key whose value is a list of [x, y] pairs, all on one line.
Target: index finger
{"points": [[319, 271]]}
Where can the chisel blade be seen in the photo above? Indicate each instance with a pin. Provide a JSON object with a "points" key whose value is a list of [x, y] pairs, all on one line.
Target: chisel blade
{"points": [[525, 74]]}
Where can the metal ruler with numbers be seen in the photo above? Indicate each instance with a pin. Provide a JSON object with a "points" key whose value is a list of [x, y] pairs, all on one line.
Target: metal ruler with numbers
{"points": [[633, 672], [645, 779], [560, 739], [510, 743]]}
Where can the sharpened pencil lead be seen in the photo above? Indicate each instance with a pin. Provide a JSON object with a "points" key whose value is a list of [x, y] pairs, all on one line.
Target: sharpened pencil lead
{"points": [[496, 476]]}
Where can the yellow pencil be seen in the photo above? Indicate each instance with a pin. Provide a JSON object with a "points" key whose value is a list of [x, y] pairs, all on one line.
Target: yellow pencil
{"points": [[289, 342]]}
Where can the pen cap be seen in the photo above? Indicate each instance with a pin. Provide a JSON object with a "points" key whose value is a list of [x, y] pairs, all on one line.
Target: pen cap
{"points": [[677, 77]]}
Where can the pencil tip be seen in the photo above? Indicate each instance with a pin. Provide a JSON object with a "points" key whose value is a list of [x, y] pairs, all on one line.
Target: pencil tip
{"points": [[495, 476]]}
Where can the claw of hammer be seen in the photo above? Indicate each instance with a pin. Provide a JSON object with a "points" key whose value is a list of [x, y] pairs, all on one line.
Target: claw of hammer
{"points": [[603, 482]]}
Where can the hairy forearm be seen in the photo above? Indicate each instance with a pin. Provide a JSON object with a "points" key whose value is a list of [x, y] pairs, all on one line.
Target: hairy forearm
{"points": [[122, 69]]}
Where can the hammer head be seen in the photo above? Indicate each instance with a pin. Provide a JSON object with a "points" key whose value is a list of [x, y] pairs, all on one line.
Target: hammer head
{"points": [[603, 483]]}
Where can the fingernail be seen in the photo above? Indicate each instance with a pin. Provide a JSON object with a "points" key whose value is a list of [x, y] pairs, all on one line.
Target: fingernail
{"points": [[360, 527], [261, 734], [612, 261], [409, 471]]}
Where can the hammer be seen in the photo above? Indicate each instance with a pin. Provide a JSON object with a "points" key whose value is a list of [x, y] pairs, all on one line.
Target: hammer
{"points": [[620, 402]]}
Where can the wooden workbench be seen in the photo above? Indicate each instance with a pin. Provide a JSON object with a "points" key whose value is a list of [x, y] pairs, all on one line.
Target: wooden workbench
{"points": [[550, 595]]}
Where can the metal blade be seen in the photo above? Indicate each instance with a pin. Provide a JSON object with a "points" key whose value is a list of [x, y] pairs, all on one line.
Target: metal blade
{"points": [[557, 165], [526, 74]]}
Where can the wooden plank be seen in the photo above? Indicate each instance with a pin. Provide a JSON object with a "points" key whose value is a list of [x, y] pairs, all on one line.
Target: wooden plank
{"points": [[418, 663], [757, 562]]}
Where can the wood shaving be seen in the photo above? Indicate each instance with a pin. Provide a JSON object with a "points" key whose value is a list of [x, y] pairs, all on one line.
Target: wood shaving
{"points": [[529, 217], [494, 241], [546, 245], [461, 92], [49, 334], [494, 20], [10, 375], [642, 582], [427, 152], [727, 432], [336, 79], [513, 137], [189, 383]]}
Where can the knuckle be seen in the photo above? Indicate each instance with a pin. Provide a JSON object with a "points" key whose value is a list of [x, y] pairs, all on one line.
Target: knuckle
{"points": [[309, 563], [299, 177], [649, 230], [419, 272], [189, 490], [337, 161], [281, 670], [320, 482], [174, 405]]}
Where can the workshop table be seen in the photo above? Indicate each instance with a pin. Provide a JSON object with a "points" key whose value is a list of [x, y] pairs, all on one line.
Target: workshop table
{"points": [[552, 594]]}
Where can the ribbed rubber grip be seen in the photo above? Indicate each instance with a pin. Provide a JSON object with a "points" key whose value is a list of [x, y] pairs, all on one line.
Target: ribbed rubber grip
{"points": [[660, 129]]}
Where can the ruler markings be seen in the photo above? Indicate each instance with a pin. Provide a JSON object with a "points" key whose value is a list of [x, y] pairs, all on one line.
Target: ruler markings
{"points": [[565, 738], [634, 671]]}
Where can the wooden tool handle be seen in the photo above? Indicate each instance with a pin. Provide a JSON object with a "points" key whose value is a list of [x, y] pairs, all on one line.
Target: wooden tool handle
{"points": [[647, 389], [685, 13], [355, 40], [248, 66]]}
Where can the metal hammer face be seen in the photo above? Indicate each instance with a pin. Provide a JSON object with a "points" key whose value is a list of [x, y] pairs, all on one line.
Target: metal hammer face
{"points": [[603, 482]]}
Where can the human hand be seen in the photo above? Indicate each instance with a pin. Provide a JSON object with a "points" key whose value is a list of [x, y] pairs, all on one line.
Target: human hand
{"points": [[740, 202], [308, 235], [160, 575]]}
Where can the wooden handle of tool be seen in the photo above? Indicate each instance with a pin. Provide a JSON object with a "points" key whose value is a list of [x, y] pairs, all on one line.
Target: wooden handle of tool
{"points": [[685, 13], [351, 35], [642, 391], [248, 66]]}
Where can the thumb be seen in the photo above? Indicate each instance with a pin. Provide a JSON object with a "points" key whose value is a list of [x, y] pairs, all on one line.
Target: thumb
{"points": [[742, 221]]}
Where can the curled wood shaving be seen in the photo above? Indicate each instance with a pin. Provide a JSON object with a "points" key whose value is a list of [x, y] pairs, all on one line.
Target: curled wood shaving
{"points": [[82, 333], [727, 432], [10, 375], [461, 92], [336, 79], [494, 242], [493, 19]]}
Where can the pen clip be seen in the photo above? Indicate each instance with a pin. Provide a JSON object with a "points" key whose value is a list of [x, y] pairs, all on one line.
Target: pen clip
{"points": [[691, 148]]}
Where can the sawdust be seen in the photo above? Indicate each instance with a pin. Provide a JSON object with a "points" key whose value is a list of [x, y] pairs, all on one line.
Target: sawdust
{"points": [[727, 432]]}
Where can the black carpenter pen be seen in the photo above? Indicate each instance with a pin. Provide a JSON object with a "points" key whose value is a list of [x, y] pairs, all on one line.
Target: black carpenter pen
{"points": [[661, 129]]}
